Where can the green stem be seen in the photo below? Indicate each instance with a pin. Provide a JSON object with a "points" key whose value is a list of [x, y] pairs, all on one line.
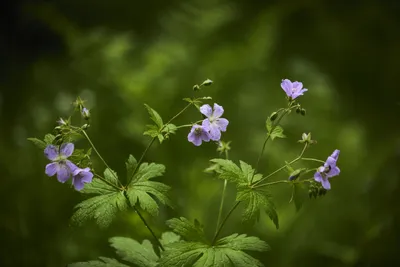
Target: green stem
{"points": [[281, 168], [154, 138], [311, 159], [188, 125], [271, 183], [223, 223], [221, 206], [98, 154], [268, 137], [148, 227]]}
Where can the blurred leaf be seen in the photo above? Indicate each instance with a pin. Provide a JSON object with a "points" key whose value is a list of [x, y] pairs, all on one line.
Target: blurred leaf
{"points": [[169, 238], [141, 190], [102, 262], [169, 128], [186, 229], [299, 195], [49, 138], [277, 132], [268, 124], [102, 208], [152, 131], [130, 250], [39, 143], [229, 171], [155, 116]]}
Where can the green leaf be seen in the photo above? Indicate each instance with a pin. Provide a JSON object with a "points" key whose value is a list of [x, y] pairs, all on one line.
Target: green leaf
{"points": [[39, 143], [186, 229], [102, 262], [131, 165], [226, 252], [229, 171], [102, 208], [111, 176], [154, 116], [141, 190], [255, 200], [247, 171], [77, 155], [130, 250], [169, 128], [49, 138], [152, 131], [99, 187], [72, 136], [277, 132], [168, 238]]}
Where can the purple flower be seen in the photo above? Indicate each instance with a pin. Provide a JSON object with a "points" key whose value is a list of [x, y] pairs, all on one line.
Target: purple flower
{"points": [[60, 164], [214, 124], [328, 170], [198, 134], [81, 176], [293, 90]]}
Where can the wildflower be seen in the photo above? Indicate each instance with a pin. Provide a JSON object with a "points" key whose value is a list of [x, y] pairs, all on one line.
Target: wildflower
{"points": [[328, 170], [85, 113], [80, 177], [61, 122], [198, 134], [214, 124], [293, 90], [60, 164]]}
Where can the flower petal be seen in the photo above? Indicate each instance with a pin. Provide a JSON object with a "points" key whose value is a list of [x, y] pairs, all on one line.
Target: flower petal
{"points": [[87, 176], [66, 149], [331, 162], [72, 167], [206, 110], [78, 183], [335, 154], [51, 152], [197, 140], [215, 133], [297, 85], [222, 124], [318, 177], [206, 124], [205, 136], [218, 111], [326, 184], [333, 172], [63, 173], [287, 86], [51, 169]]}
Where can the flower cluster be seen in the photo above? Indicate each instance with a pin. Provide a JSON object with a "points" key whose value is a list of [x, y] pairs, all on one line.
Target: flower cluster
{"points": [[64, 168], [328, 170], [211, 127]]}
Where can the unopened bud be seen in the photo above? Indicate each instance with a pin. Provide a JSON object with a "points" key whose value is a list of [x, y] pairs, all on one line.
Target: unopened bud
{"points": [[207, 82], [274, 115], [196, 88], [85, 113], [303, 112]]}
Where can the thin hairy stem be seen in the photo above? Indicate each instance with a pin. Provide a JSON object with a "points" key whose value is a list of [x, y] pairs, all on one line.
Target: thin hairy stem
{"points": [[223, 222], [311, 159], [98, 154], [221, 206]]}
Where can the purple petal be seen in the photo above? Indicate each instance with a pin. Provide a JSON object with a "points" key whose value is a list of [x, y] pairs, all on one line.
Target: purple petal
{"points": [[333, 172], [72, 167], [326, 184], [197, 140], [335, 154], [206, 125], [215, 133], [51, 169], [297, 85], [206, 110], [192, 135], [218, 111], [51, 152], [205, 136], [318, 177], [78, 183], [87, 177], [67, 149], [287, 86], [331, 162], [222, 124], [322, 168], [298, 93], [63, 173]]}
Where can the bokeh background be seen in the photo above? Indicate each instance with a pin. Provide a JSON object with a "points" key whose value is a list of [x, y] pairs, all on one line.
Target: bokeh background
{"points": [[120, 54]]}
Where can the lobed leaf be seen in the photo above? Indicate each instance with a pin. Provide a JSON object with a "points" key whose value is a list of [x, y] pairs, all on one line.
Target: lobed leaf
{"points": [[277, 132], [102, 262], [111, 176], [39, 143], [99, 187], [229, 171], [132, 251], [186, 229], [168, 238], [154, 116], [131, 165]]}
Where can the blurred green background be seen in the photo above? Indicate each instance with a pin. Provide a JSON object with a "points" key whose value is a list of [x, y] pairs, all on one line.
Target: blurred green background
{"points": [[120, 54]]}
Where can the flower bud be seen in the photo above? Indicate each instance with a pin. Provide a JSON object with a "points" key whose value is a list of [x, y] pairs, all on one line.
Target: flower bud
{"points": [[273, 116], [196, 88], [85, 126], [207, 82], [85, 113], [303, 112], [298, 110]]}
